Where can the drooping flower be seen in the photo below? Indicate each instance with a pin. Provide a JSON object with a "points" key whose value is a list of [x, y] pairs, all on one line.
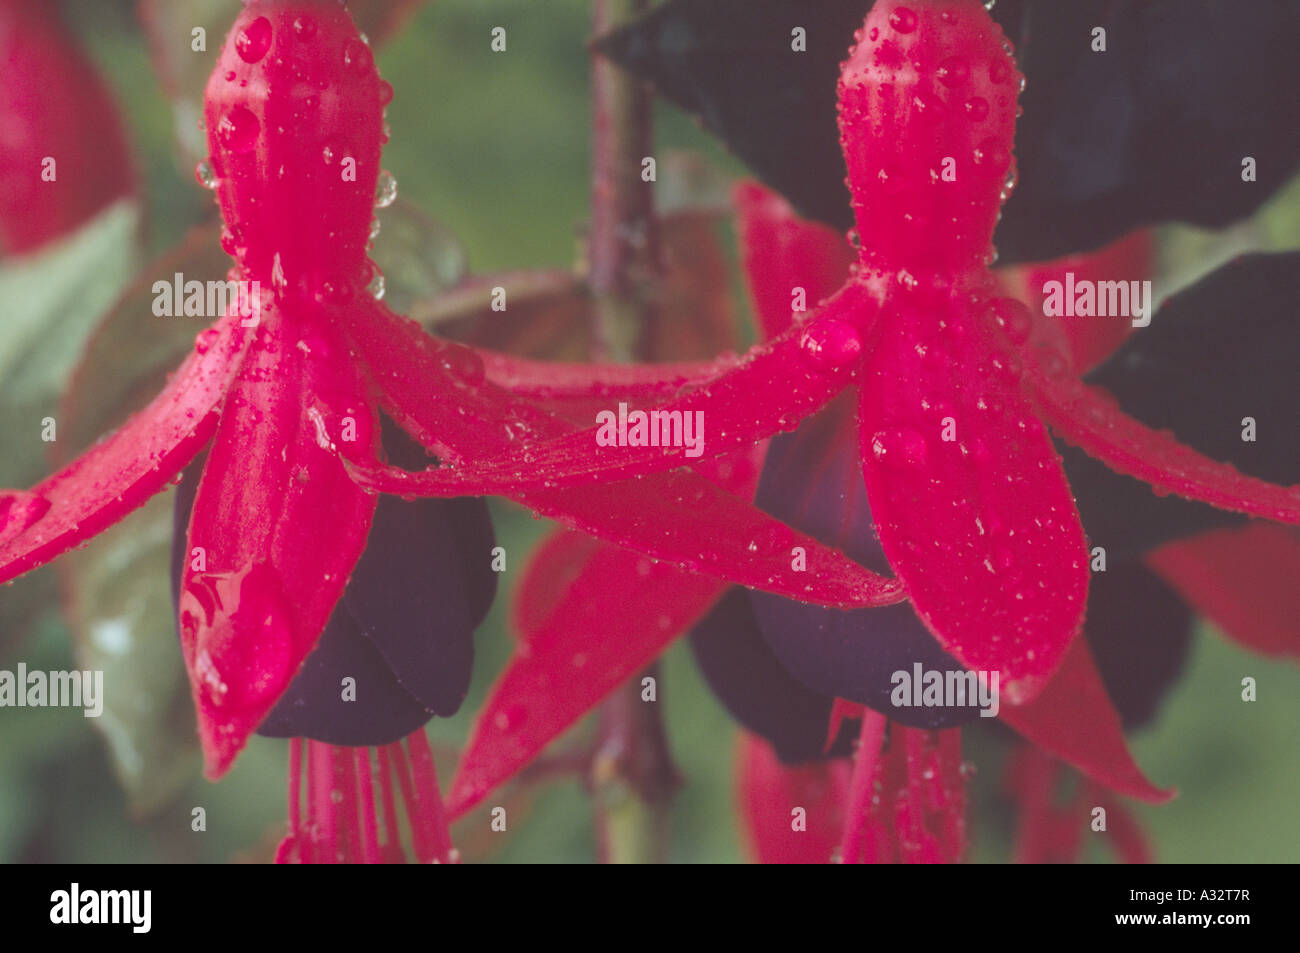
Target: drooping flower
{"points": [[955, 390], [54, 103], [294, 116]]}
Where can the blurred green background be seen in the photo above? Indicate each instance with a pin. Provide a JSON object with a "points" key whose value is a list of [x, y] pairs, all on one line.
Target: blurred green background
{"points": [[495, 147]]}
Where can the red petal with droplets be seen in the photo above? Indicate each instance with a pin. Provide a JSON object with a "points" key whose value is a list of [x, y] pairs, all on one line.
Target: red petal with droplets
{"points": [[783, 252], [280, 526], [1243, 579], [1089, 418], [769, 793], [680, 517], [969, 498], [1074, 719], [125, 469], [778, 385], [597, 635]]}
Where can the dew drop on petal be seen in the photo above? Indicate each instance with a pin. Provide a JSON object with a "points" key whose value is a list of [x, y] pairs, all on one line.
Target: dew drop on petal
{"points": [[238, 130], [304, 27], [385, 189], [204, 340], [254, 40], [903, 20], [1013, 318], [462, 362], [357, 56], [953, 71], [237, 626], [901, 447], [376, 287], [19, 509], [831, 344], [204, 174], [385, 92], [977, 108]]}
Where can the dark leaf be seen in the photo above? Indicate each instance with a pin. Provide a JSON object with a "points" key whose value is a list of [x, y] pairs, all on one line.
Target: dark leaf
{"points": [[1218, 352], [1151, 130]]}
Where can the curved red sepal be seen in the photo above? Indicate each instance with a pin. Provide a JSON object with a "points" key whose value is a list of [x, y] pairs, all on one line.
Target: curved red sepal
{"points": [[769, 793], [1088, 340], [596, 635], [126, 468], [775, 387], [1073, 719], [969, 498], [781, 253], [679, 517], [276, 528], [1090, 419], [1243, 579]]}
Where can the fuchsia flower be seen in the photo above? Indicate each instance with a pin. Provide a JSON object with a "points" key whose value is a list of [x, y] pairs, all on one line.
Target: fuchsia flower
{"points": [[294, 106], [955, 387], [54, 104]]}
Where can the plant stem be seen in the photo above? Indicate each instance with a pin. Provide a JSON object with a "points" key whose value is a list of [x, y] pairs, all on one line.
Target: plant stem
{"points": [[623, 242], [632, 777], [632, 773]]}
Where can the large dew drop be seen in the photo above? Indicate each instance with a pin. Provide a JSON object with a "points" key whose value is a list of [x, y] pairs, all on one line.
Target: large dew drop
{"points": [[831, 344], [238, 628], [238, 130], [385, 189], [18, 511], [254, 40]]}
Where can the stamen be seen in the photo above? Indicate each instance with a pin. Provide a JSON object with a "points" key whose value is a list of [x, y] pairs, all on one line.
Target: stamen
{"points": [[861, 787], [432, 814], [369, 823]]}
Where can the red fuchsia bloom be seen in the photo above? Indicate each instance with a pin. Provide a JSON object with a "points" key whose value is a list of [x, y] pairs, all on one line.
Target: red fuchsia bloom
{"points": [[607, 608], [294, 108], [969, 497], [53, 105]]}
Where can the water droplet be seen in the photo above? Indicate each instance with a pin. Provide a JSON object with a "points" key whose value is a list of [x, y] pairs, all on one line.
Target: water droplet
{"points": [[376, 287], [304, 27], [229, 244], [238, 130], [899, 447], [204, 174], [989, 4], [831, 344], [385, 189], [375, 227], [1022, 82], [999, 70], [977, 108], [462, 362], [254, 40], [953, 71], [903, 20], [19, 509], [230, 76], [1013, 318], [874, 34], [385, 92], [204, 340], [357, 56], [237, 631]]}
